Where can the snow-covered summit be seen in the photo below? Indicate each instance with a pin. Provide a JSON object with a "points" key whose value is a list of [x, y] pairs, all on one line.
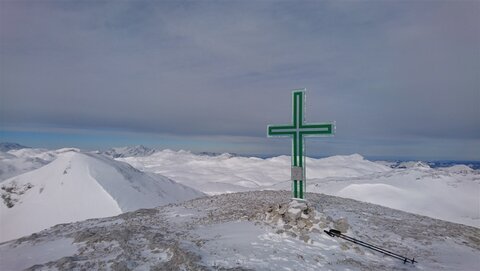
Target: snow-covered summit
{"points": [[461, 169], [259, 230], [77, 186]]}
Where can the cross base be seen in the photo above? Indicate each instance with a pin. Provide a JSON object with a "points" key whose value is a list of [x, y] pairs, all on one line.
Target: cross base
{"points": [[298, 189], [299, 200]]}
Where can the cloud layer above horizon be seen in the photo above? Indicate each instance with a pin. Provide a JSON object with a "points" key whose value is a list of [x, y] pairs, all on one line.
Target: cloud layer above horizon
{"points": [[389, 70]]}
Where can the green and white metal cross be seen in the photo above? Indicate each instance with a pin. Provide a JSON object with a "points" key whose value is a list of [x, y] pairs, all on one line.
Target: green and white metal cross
{"points": [[298, 131]]}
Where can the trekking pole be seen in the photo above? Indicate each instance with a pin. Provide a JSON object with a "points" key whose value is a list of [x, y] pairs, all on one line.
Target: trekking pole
{"points": [[337, 233]]}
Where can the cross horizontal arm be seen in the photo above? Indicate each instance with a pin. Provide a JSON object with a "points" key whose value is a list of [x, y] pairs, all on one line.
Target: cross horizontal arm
{"points": [[317, 129], [281, 130]]}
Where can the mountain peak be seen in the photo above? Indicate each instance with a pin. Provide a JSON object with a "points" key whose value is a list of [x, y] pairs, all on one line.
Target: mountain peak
{"points": [[78, 186]]}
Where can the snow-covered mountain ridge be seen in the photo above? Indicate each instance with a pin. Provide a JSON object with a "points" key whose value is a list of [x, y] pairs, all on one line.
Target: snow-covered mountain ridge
{"points": [[77, 186], [237, 232], [225, 173], [129, 151], [449, 193]]}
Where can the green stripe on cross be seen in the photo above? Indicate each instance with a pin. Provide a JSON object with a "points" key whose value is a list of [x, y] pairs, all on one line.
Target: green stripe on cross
{"points": [[298, 131]]}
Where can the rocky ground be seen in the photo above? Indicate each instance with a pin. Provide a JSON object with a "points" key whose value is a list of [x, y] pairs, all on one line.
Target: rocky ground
{"points": [[261, 230]]}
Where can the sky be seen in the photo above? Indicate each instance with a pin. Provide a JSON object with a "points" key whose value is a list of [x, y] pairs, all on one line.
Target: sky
{"points": [[401, 79]]}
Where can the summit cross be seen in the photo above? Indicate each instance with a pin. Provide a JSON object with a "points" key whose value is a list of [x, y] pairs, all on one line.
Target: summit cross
{"points": [[298, 130]]}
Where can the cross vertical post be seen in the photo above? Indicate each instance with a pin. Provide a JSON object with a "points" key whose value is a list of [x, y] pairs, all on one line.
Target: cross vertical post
{"points": [[298, 130]]}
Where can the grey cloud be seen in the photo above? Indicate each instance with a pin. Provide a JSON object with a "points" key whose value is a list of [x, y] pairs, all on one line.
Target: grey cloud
{"points": [[227, 68]]}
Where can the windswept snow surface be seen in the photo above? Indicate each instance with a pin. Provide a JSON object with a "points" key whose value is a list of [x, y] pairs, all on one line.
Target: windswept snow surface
{"points": [[78, 186], [450, 193], [206, 173], [241, 231]]}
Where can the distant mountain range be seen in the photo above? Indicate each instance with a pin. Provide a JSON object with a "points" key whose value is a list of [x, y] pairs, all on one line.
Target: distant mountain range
{"points": [[8, 146], [130, 151], [140, 150], [17, 161]]}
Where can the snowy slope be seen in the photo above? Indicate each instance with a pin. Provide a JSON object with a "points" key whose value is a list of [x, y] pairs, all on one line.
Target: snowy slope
{"points": [[248, 231], [451, 194], [77, 186]]}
